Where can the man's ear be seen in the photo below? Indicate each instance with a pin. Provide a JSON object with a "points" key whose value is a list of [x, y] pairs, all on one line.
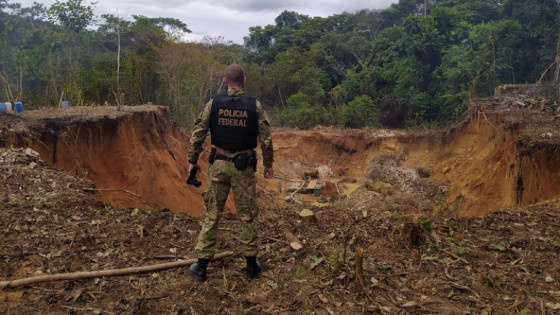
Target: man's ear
{"points": [[224, 80]]}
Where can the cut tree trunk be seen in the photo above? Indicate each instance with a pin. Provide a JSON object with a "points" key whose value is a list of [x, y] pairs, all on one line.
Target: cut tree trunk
{"points": [[307, 215], [359, 271]]}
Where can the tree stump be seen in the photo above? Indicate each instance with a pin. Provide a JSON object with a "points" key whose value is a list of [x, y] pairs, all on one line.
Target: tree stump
{"points": [[307, 215]]}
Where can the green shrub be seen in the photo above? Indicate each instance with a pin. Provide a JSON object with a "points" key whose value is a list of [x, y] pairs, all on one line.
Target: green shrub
{"points": [[360, 112], [301, 114]]}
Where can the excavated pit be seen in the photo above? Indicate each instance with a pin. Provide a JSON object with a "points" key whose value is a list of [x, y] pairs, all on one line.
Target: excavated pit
{"points": [[135, 155], [500, 157]]}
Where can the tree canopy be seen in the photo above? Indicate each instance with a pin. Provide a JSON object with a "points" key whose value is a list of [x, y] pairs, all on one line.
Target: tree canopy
{"points": [[413, 63]]}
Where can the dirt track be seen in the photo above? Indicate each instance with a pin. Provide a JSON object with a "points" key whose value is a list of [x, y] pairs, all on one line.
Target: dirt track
{"points": [[402, 197]]}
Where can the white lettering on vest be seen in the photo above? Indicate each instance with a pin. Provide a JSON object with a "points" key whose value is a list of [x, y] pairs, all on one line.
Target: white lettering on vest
{"points": [[232, 122], [234, 113]]}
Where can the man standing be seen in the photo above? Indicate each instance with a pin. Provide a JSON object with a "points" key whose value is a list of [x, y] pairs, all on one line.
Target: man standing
{"points": [[235, 121]]}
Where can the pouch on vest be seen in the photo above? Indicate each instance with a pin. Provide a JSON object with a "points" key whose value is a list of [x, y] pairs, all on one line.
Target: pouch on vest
{"points": [[241, 161]]}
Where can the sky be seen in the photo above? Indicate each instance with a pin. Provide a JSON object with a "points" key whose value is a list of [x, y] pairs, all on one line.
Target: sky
{"points": [[229, 19]]}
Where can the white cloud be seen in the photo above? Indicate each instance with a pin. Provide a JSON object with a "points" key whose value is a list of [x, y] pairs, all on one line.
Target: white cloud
{"points": [[230, 19], [258, 5]]}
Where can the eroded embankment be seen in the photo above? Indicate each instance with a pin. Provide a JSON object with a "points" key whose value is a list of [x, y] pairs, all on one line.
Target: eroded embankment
{"points": [[479, 161], [138, 158], [135, 156], [502, 157], [493, 161]]}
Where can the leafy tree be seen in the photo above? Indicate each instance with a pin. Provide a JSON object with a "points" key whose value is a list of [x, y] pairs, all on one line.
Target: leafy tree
{"points": [[360, 112], [189, 77], [72, 14], [290, 20], [475, 11], [110, 33], [540, 25], [336, 54], [259, 42], [455, 77], [301, 113], [280, 72], [311, 81], [364, 82], [140, 80], [338, 95], [35, 13], [493, 55]]}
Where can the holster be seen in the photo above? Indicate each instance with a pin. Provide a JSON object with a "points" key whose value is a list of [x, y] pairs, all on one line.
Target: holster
{"points": [[241, 161], [254, 161]]}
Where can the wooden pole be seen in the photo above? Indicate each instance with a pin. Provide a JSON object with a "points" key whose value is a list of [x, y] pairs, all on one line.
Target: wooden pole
{"points": [[103, 273]]}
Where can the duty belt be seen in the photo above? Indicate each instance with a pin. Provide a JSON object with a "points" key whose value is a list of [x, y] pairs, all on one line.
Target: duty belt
{"points": [[224, 158], [225, 155]]}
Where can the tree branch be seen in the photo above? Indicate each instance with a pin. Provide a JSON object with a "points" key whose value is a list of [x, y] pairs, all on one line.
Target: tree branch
{"points": [[103, 273]]}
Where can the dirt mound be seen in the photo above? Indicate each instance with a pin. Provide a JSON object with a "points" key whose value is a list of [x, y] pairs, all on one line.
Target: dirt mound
{"points": [[26, 180]]}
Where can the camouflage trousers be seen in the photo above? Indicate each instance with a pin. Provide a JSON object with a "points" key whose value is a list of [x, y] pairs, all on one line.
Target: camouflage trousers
{"points": [[223, 176]]}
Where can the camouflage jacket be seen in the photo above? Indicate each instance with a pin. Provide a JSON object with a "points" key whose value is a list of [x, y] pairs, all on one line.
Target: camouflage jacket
{"points": [[203, 124]]}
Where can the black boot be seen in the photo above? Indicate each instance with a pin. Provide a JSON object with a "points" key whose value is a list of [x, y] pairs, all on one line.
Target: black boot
{"points": [[198, 270], [253, 268]]}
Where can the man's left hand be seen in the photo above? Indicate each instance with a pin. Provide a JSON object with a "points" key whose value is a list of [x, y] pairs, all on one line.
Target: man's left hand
{"points": [[268, 172]]}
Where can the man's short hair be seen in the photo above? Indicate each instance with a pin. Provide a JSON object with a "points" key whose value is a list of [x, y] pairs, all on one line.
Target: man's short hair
{"points": [[235, 74]]}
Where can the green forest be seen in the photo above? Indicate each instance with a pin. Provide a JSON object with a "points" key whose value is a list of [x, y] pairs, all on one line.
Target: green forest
{"points": [[415, 63]]}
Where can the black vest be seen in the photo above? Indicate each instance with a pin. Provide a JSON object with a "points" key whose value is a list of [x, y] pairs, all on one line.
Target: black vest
{"points": [[234, 122]]}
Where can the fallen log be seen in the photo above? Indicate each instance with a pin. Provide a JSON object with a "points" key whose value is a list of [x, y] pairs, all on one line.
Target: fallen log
{"points": [[103, 273]]}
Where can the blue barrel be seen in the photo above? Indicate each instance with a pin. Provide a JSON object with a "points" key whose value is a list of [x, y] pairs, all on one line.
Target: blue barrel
{"points": [[19, 107], [2, 108], [64, 104]]}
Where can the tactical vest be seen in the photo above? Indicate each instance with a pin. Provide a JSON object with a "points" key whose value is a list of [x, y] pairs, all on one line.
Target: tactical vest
{"points": [[234, 122]]}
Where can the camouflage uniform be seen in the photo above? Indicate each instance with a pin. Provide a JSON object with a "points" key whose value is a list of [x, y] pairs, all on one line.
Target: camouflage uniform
{"points": [[222, 175]]}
